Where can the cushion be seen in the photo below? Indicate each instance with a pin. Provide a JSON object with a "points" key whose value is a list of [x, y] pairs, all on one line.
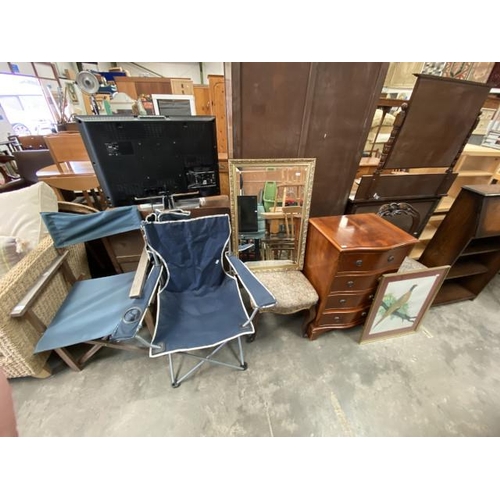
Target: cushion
{"points": [[21, 213], [291, 289], [12, 250]]}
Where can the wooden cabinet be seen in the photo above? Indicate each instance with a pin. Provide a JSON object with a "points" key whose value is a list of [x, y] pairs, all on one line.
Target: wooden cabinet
{"points": [[468, 239], [217, 93], [345, 257], [202, 99]]}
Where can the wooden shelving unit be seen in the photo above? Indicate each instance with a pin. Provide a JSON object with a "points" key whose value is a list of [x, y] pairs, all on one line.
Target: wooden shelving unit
{"points": [[468, 239]]}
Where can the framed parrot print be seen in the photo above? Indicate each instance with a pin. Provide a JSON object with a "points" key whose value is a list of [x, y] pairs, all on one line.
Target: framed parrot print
{"points": [[401, 301]]}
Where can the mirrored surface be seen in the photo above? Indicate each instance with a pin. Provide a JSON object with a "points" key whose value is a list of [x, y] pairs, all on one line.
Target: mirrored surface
{"points": [[270, 202]]}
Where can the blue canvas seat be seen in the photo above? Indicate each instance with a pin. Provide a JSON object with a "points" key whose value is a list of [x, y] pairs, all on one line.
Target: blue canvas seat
{"points": [[106, 311], [200, 304]]}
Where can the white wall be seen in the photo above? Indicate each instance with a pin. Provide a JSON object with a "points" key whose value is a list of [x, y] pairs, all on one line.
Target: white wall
{"points": [[212, 68]]}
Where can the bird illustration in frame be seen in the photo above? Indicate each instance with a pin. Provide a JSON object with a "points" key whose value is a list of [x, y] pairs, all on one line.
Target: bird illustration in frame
{"points": [[396, 306]]}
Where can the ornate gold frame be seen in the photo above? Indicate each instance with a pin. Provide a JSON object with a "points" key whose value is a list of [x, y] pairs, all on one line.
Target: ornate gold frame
{"points": [[309, 164]]}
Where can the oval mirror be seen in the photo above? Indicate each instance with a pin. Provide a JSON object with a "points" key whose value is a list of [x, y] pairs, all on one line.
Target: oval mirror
{"points": [[270, 202]]}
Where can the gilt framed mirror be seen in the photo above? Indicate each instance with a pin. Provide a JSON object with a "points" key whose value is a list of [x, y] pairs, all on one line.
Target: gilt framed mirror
{"points": [[270, 201]]}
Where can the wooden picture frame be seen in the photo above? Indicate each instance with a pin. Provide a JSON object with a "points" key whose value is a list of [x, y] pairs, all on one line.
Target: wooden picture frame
{"points": [[401, 302]]}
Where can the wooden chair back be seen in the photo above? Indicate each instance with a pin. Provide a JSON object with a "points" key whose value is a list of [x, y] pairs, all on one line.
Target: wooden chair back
{"points": [[32, 142], [288, 193], [290, 214], [67, 147]]}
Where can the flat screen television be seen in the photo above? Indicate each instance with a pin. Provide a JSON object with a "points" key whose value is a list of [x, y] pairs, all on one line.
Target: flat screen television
{"points": [[142, 158]]}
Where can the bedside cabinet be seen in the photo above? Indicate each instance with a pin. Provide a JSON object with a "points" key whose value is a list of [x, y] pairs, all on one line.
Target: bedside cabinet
{"points": [[345, 257]]}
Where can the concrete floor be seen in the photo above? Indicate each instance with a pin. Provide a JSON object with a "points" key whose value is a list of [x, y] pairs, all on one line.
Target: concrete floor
{"points": [[442, 381]]}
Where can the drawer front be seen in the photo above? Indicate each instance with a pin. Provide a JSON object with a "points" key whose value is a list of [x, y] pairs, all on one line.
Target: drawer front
{"points": [[372, 261], [340, 318], [348, 300], [354, 283]]}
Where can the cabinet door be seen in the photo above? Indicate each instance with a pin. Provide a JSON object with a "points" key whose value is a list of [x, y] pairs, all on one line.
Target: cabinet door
{"points": [[400, 74], [218, 109], [202, 99]]}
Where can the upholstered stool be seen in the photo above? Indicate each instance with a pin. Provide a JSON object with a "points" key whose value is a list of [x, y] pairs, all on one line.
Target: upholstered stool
{"points": [[293, 293]]}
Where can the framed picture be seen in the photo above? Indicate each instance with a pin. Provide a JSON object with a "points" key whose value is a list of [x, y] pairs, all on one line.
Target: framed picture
{"points": [[401, 301]]}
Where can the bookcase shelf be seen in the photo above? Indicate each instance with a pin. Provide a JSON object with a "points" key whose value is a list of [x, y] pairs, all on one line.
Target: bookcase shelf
{"points": [[468, 239]]}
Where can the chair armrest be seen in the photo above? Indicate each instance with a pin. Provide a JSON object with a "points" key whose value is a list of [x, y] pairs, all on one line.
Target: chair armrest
{"points": [[140, 275], [25, 303], [260, 295]]}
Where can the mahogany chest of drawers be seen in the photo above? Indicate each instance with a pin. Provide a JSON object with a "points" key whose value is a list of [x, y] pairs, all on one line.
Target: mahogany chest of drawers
{"points": [[345, 257]]}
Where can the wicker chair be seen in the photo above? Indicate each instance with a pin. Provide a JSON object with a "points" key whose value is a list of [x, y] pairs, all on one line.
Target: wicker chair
{"points": [[18, 337]]}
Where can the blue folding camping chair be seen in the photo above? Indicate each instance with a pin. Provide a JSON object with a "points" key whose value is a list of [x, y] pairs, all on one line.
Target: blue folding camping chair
{"points": [[199, 306], [106, 311]]}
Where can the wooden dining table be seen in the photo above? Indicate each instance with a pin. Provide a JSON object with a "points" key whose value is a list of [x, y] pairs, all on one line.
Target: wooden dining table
{"points": [[66, 170], [72, 176]]}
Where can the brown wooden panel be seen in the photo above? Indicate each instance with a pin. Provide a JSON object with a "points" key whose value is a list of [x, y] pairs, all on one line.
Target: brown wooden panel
{"points": [[442, 249], [440, 116], [401, 186], [148, 88], [344, 100], [271, 107], [489, 221], [217, 98], [126, 86], [143, 85]]}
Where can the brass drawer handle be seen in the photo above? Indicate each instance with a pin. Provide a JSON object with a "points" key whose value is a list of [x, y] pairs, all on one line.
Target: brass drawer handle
{"points": [[350, 284], [370, 297], [363, 314], [390, 258], [336, 319], [359, 262], [342, 301]]}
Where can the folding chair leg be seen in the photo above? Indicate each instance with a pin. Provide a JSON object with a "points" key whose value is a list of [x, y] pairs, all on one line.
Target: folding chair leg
{"points": [[176, 382], [68, 359]]}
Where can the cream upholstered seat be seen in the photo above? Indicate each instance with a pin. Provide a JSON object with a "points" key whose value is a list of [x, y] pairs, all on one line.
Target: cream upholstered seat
{"points": [[292, 291]]}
